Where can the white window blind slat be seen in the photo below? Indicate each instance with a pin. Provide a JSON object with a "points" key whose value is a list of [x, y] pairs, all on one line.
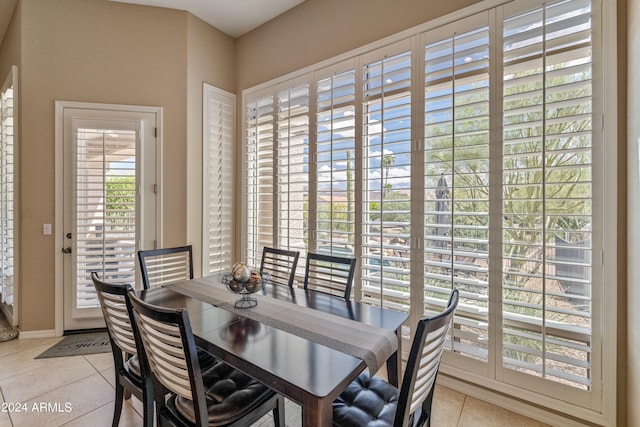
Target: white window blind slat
{"points": [[386, 187], [259, 176], [292, 171], [457, 183], [218, 201], [105, 220], [547, 192], [7, 193]]}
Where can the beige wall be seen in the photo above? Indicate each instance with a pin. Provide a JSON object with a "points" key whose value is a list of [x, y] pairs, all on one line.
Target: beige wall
{"points": [[632, 377], [211, 59], [106, 52], [10, 51], [321, 29]]}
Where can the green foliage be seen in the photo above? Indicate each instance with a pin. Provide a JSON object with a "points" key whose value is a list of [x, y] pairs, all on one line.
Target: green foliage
{"points": [[120, 200], [547, 174], [395, 208], [334, 216], [546, 178]]}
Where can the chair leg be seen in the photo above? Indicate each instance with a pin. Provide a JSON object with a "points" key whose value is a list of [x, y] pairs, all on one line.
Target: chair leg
{"points": [[117, 409], [425, 413], [148, 400], [278, 412], [160, 403]]}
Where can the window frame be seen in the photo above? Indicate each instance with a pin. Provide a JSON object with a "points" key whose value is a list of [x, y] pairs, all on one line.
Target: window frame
{"points": [[597, 405]]}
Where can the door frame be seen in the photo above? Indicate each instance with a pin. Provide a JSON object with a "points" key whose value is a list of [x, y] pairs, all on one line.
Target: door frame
{"points": [[60, 107]]}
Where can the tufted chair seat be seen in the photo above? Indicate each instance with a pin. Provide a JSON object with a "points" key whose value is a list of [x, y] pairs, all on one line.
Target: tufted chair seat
{"points": [[227, 392], [373, 402], [132, 365], [367, 401]]}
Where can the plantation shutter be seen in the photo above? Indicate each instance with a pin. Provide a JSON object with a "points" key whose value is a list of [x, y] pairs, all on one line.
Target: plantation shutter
{"points": [[547, 190], [335, 176], [219, 108], [456, 193], [106, 198], [292, 171], [7, 193], [260, 177], [464, 153], [386, 186]]}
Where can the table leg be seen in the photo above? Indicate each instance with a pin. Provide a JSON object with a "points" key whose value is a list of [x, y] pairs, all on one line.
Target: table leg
{"points": [[394, 363], [317, 412]]}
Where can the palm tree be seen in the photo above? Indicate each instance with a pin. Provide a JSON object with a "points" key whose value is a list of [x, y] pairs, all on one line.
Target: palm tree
{"points": [[387, 161]]}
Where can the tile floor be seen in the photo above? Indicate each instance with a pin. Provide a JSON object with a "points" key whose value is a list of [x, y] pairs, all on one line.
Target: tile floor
{"points": [[77, 391]]}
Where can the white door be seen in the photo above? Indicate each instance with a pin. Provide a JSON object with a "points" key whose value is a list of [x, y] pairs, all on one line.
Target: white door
{"points": [[109, 188]]}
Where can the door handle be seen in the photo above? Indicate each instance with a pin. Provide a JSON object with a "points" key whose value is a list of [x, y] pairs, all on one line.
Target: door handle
{"points": [[66, 250]]}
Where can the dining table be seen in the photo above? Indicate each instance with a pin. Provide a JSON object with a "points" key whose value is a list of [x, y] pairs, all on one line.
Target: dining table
{"points": [[305, 345]]}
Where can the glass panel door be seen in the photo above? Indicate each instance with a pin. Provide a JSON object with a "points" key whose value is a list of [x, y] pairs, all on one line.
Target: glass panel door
{"points": [[105, 199]]}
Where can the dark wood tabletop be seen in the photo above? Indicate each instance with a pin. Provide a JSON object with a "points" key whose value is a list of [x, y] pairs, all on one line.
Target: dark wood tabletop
{"points": [[308, 373]]}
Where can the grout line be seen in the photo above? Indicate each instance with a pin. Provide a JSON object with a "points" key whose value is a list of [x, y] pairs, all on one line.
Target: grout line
{"points": [[82, 415], [33, 398], [464, 402], [8, 412]]}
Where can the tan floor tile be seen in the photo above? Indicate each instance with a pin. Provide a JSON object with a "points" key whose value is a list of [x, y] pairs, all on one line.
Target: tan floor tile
{"points": [[44, 378], [5, 421], [293, 417], [100, 361], [73, 401], [135, 403], [266, 421], [103, 416], [20, 344], [477, 413], [109, 374], [292, 414], [447, 407], [91, 397], [24, 359]]}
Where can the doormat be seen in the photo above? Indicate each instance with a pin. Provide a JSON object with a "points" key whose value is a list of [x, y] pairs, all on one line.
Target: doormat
{"points": [[7, 332], [79, 345]]}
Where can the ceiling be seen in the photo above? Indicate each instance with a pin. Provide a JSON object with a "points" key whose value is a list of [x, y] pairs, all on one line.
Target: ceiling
{"points": [[234, 17]]}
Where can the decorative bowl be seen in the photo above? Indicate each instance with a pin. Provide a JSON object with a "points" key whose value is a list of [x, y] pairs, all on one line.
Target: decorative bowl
{"points": [[244, 288], [240, 272]]}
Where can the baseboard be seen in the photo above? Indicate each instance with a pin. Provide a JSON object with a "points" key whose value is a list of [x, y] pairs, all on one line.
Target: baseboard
{"points": [[515, 405], [84, 331], [49, 333]]}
